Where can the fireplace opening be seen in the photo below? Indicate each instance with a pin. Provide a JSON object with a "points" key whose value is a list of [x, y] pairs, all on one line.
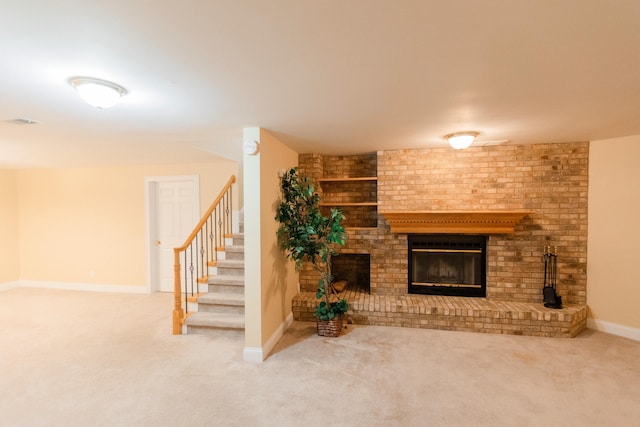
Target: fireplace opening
{"points": [[355, 269], [443, 264]]}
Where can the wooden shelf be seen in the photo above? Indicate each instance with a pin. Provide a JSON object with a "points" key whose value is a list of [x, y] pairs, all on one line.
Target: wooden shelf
{"points": [[354, 195], [472, 222], [359, 178], [360, 228], [337, 205]]}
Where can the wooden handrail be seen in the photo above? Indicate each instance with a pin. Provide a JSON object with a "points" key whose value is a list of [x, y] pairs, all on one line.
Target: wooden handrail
{"points": [[206, 215], [178, 311]]}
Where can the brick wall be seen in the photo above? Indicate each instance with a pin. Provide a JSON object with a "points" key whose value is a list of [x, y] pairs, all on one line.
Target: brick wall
{"points": [[549, 179]]}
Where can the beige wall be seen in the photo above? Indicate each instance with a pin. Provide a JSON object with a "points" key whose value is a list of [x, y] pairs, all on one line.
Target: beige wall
{"points": [[271, 281], [9, 265], [278, 274], [613, 292], [75, 222]]}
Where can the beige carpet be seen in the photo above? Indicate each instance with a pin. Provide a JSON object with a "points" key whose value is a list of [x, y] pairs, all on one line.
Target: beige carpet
{"points": [[95, 359]]}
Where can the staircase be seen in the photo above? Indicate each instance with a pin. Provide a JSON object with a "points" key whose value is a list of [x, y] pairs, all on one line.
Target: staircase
{"points": [[221, 306]]}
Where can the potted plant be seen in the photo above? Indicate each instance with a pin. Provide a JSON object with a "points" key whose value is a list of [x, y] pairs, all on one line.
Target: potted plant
{"points": [[307, 236]]}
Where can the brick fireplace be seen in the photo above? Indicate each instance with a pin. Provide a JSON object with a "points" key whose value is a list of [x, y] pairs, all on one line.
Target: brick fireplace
{"points": [[549, 182]]}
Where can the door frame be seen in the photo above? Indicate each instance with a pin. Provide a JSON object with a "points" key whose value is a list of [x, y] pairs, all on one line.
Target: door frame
{"points": [[151, 215]]}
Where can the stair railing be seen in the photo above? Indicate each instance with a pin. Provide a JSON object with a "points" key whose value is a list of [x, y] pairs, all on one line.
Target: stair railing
{"points": [[199, 252]]}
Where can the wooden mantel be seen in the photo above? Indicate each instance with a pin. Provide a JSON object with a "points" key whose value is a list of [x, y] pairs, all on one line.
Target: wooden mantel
{"points": [[465, 222]]}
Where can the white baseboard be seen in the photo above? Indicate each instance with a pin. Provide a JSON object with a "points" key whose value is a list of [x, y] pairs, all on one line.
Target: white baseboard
{"points": [[273, 340], [91, 287], [253, 355], [614, 328], [258, 355], [9, 285]]}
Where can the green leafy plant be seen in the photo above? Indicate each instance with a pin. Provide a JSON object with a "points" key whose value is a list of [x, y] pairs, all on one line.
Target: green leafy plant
{"points": [[307, 236]]}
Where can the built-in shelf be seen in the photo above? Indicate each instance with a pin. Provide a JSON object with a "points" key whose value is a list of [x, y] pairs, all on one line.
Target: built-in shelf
{"points": [[355, 196], [472, 222], [359, 178], [350, 204], [360, 228]]}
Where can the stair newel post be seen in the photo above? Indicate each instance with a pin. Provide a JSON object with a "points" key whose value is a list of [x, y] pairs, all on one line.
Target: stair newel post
{"points": [[178, 313]]}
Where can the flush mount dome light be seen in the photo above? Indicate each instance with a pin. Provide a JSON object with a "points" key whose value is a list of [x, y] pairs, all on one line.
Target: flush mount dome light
{"points": [[97, 92], [461, 140]]}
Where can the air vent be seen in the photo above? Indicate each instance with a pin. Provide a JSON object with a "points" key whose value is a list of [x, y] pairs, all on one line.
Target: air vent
{"points": [[23, 121]]}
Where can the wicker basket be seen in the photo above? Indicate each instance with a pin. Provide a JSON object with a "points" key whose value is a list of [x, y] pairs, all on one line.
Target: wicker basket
{"points": [[330, 328]]}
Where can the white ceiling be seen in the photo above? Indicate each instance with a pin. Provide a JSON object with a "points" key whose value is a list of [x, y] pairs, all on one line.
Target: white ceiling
{"points": [[328, 76]]}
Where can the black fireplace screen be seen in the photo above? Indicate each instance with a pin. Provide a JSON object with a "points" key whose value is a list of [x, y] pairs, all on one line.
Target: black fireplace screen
{"points": [[447, 265]]}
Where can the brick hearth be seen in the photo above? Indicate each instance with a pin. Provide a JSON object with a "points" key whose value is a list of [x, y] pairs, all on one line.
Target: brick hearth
{"points": [[452, 314]]}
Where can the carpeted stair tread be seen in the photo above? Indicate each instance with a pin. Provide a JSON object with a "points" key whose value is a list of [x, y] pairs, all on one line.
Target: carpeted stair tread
{"points": [[216, 320], [230, 263], [226, 279], [221, 299]]}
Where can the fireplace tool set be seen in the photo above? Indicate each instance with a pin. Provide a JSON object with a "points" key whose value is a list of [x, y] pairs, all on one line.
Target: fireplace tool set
{"points": [[550, 296]]}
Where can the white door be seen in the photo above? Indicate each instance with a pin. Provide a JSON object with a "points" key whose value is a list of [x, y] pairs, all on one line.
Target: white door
{"points": [[174, 211]]}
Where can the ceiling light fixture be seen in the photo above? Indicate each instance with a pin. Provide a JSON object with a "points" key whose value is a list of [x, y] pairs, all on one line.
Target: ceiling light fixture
{"points": [[461, 140], [97, 92]]}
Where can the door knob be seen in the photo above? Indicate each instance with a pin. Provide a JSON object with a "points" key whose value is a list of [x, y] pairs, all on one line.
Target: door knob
{"points": [[158, 242]]}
